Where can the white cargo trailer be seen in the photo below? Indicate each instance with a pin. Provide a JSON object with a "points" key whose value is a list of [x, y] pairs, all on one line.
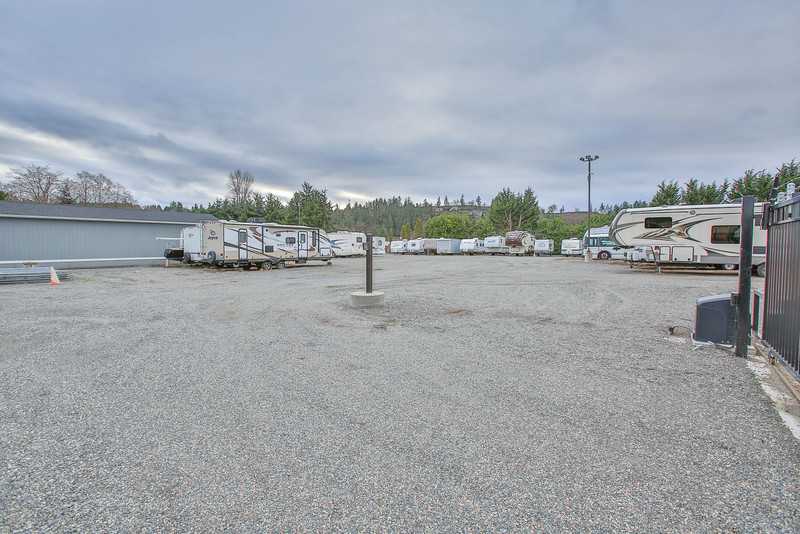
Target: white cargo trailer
{"points": [[429, 246], [378, 245], [448, 246]]}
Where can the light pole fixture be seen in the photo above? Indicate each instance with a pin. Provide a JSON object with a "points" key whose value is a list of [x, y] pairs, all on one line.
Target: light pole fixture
{"points": [[588, 158]]}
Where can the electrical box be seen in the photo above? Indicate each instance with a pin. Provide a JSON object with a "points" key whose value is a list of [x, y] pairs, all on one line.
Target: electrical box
{"points": [[715, 319]]}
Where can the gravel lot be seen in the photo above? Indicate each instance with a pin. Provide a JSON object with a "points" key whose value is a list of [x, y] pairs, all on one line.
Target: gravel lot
{"points": [[490, 393]]}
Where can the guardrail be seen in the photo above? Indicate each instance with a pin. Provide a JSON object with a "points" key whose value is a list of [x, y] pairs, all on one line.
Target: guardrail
{"points": [[781, 321]]}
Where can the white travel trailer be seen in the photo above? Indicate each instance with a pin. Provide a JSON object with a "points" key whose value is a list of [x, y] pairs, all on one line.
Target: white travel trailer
{"points": [[571, 247], [398, 247], [348, 243], [691, 235], [601, 247], [519, 242], [448, 246], [378, 245], [543, 247], [472, 245], [415, 246], [495, 244], [231, 243]]}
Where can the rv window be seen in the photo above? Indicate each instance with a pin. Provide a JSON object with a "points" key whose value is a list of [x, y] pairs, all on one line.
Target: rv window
{"points": [[314, 239], [290, 240], [303, 238], [658, 222], [728, 234], [269, 248], [359, 240]]}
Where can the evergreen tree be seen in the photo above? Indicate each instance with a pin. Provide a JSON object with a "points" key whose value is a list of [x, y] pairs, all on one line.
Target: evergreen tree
{"points": [[667, 194]]}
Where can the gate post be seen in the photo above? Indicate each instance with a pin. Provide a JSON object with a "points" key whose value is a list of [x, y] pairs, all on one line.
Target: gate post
{"points": [[745, 275], [369, 263]]}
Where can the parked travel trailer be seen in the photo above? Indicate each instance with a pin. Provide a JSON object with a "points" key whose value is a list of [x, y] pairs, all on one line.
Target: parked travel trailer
{"points": [[495, 244], [691, 235], [398, 247], [543, 247], [429, 246], [519, 242], [448, 246], [231, 243], [378, 245], [348, 243], [472, 245], [571, 247], [415, 246], [601, 247]]}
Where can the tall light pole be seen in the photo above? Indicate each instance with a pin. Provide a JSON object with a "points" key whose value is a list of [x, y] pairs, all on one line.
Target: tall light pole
{"points": [[588, 158]]}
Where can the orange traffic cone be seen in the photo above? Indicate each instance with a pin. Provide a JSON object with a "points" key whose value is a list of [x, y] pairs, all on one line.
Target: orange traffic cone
{"points": [[54, 281]]}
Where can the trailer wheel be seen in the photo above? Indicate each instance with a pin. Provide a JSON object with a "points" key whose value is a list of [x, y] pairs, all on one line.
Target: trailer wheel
{"points": [[603, 255], [730, 266], [761, 270]]}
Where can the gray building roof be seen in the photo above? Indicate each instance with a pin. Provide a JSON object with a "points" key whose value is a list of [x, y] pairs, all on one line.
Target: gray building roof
{"points": [[31, 210]]}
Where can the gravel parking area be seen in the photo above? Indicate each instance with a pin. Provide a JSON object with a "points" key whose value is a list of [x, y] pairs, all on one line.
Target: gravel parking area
{"points": [[490, 393]]}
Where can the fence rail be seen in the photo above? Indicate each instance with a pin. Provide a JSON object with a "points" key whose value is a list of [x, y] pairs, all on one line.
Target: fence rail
{"points": [[781, 325]]}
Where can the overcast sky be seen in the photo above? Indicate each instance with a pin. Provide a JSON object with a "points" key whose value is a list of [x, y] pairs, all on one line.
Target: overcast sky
{"points": [[383, 98]]}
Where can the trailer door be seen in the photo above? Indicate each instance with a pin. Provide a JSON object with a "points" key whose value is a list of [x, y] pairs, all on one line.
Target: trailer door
{"points": [[242, 244], [302, 244]]}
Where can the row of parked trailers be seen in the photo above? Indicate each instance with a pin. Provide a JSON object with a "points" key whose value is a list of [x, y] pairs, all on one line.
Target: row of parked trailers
{"points": [[513, 243]]}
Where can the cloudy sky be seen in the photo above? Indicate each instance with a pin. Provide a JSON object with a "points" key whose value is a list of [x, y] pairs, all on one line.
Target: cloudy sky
{"points": [[413, 98]]}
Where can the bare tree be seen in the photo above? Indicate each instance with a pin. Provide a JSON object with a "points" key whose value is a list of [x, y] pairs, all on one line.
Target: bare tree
{"points": [[240, 185], [34, 183], [89, 188]]}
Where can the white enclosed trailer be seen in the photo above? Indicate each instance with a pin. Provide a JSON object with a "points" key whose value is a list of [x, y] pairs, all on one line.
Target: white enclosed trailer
{"points": [[690, 235], [448, 246], [429, 246], [348, 243], [495, 244], [543, 247], [571, 247], [231, 243], [473, 245]]}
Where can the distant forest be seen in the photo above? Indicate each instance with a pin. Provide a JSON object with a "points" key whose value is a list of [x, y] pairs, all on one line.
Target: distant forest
{"points": [[393, 217]]}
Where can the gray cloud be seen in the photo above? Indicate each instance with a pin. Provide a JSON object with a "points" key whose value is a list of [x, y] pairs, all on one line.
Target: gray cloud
{"points": [[419, 99]]}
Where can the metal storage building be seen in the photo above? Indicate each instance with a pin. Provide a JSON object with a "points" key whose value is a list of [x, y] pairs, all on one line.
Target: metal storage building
{"points": [[53, 233]]}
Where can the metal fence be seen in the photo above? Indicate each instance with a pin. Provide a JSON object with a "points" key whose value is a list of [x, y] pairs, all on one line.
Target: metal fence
{"points": [[781, 321]]}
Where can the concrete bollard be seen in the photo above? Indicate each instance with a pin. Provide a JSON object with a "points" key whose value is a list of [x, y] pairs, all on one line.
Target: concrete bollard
{"points": [[367, 298]]}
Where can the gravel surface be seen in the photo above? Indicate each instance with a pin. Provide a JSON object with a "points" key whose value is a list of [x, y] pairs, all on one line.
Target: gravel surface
{"points": [[490, 393]]}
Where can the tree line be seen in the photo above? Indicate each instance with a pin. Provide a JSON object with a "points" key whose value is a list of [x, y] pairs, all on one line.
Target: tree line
{"points": [[40, 183]]}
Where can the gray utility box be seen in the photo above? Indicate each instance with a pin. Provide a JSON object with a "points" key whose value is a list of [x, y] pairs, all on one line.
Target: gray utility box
{"points": [[715, 319]]}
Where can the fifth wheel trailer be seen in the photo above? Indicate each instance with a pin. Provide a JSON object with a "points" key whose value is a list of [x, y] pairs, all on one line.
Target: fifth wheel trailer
{"points": [[230, 243], [691, 235], [347, 244]]}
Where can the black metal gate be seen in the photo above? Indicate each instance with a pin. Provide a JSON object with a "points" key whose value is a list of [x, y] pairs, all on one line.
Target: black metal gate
{"points": [[782, 285]]}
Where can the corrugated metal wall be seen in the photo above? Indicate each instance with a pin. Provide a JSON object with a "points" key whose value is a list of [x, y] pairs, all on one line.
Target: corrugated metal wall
{"points": [[42, 239]]}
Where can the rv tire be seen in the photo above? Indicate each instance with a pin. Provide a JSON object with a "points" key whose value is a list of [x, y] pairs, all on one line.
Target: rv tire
{"points": [[761, 270], [729, 266], [603, 255]]}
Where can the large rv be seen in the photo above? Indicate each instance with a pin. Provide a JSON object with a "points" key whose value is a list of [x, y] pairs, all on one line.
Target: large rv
{"points": [[398, 247], [231, 243], [571, 247], [602, 247], [415, 246], [691, 235], [346, 244], [519, 242]]}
